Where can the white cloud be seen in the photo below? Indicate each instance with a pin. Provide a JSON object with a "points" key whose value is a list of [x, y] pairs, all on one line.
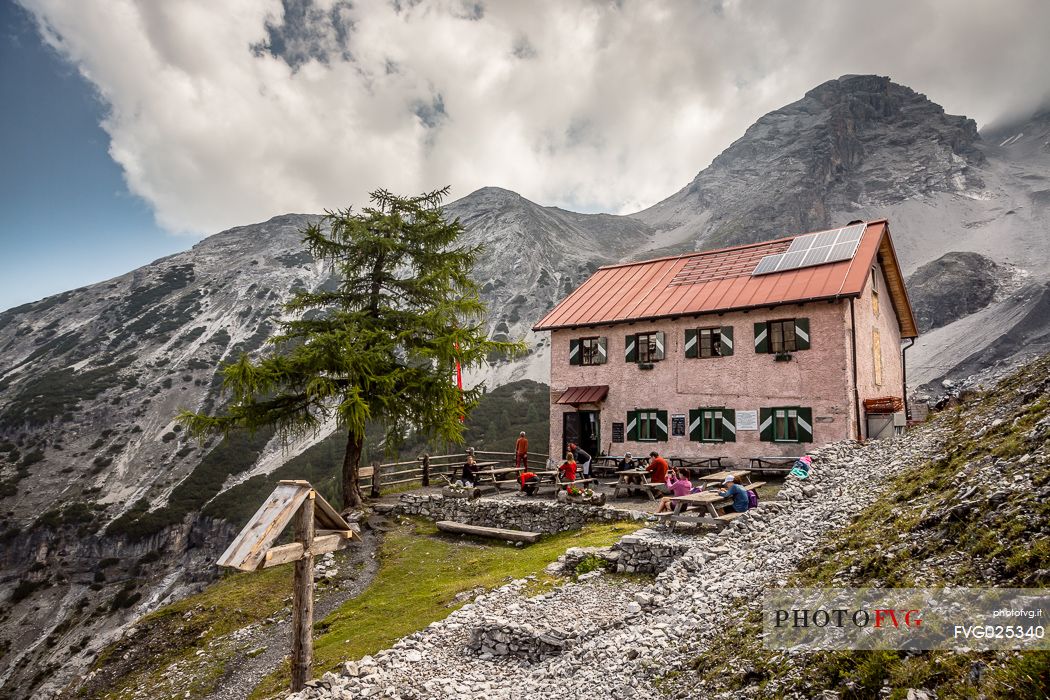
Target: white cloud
{"points": [[593, 105]]}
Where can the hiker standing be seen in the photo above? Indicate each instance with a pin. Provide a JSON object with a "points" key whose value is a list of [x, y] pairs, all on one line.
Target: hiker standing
{"points": [[582, 459], [521, 452]]}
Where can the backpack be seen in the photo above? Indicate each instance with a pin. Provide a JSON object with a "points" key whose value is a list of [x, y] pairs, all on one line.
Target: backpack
{"points": [[752, 500]]}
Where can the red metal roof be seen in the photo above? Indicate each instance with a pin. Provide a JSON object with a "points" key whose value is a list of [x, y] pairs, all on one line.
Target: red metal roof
{"points": [[717, 280], [584, 394]]}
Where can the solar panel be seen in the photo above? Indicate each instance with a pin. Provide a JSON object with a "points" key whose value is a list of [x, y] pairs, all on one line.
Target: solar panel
{"points": [[815, 256], [791, 260], [801, 243], [767, 264], [842, 251], [851, 233], [814, 249], [826, 238]]}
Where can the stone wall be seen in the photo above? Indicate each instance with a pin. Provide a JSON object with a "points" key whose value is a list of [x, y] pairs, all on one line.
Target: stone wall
{"points": [[501, 637], [546, 517], [645, 551]]}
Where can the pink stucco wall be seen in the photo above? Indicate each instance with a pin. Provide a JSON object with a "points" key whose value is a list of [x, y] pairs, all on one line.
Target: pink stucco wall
{"points": [[890, 340], [818, 378]]}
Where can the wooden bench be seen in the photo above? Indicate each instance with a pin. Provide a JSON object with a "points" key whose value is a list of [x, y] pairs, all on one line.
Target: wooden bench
{"points": [[494, 532], [651, 490]]}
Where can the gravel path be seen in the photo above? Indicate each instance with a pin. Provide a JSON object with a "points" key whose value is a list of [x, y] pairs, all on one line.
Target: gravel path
{"points": [[626, 635]]}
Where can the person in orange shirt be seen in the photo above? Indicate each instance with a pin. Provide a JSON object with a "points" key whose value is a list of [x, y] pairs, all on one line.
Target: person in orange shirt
{"points": [[521, 452], [657, 468]]}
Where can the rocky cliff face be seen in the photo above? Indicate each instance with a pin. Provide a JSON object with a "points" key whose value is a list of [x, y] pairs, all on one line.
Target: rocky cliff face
{"points": [[859, 141], [951, 287], [101, 491]]}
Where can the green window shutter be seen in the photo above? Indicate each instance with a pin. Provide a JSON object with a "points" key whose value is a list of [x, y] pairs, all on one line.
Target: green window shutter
{"points": [[805, 425], [765, 424], [691, 346], [660, 345], [575, 356], [761, 337], [661, 426], [695, 429], [632, 425], [728, 425], [802, 334], [630, 349], [603, 350], [727, 340]]}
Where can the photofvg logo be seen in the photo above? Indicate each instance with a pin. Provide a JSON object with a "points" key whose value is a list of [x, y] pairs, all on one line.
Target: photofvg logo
{"points": [[976, 619]]}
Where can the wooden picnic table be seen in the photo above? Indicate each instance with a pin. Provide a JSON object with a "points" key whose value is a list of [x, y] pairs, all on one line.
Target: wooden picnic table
{"points": [[779, 465], [605, 463], [741, 476], [709, 502], [626, 483]]}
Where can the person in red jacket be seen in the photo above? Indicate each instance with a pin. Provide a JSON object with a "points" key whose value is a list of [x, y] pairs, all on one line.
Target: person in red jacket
{"points": [[657, 468], [530, 483], [521, 452], [567, 471]]}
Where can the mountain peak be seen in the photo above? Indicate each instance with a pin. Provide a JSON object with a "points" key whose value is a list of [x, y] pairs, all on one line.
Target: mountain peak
{"points": [[855, 142]]}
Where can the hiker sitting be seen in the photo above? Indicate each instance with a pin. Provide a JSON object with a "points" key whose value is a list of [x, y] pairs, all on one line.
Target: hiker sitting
{"points": [[567, 470], [657, 468], [626, 463], [679, 485], [731, 489], [530, 483], [470, 472]]}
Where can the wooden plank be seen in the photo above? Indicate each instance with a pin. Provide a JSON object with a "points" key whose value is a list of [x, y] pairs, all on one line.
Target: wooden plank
{"points": [[327, 517], [247, 551], [287, 553], [496, 532]]}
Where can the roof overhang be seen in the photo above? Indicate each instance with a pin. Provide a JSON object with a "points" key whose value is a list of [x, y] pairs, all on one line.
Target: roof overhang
{"points": [[891, 270], [576, 395]]}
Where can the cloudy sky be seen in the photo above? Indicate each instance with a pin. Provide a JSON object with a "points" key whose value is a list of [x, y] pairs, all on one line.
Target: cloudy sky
{"points": [[133, 127]]}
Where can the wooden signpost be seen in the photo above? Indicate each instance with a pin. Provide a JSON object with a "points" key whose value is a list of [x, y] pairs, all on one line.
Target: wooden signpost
{"points": [[318, 529]]}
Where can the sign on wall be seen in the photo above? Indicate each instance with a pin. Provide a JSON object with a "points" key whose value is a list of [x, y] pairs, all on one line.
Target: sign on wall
{"points": [[747, 420], [617, 432], [678, 425]]}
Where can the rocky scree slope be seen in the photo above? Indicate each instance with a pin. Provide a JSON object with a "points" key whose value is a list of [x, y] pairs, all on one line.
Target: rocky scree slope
{"points": [[932, 507], [977, 513]]}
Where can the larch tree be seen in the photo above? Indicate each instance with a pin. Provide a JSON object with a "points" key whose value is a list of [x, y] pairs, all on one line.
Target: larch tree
{"points": [[377, 347]]}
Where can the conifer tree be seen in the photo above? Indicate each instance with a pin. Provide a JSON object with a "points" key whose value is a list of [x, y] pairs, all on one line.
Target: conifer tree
{"points": [[376, 347]]}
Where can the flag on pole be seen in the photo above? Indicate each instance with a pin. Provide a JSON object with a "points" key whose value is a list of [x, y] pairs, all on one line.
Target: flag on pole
{"points": [[459, 382]]}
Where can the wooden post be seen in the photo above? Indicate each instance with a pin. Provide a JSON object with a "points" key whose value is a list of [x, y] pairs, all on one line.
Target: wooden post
{"points": [[303, 597], [426, 469], [375, 481]]}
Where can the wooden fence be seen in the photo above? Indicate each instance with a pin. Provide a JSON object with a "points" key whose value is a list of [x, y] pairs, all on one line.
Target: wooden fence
{"points": [[427, 469]]}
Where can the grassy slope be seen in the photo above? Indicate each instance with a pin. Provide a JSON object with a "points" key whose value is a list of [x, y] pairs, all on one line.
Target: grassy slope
{"points": [[419, 577], [921, 533]]}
